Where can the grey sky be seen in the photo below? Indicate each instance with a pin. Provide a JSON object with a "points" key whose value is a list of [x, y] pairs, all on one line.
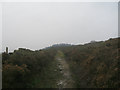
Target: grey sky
{"points": [[38, 25]]}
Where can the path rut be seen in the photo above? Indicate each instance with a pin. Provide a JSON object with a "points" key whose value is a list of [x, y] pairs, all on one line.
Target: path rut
{"points": [[66, 81]]}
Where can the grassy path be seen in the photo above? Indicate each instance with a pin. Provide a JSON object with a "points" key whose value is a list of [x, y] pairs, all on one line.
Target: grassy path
{"points": [[66, 80], [56, 75]]}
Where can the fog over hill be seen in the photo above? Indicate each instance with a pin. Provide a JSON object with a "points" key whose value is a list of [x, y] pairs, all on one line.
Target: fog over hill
{"points": [[39, 25]]}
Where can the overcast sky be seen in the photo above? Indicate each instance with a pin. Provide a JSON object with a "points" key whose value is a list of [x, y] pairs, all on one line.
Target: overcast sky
{"points": [[38, 25]]}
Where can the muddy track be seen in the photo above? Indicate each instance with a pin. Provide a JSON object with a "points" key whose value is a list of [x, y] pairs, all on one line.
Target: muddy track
{"points": [[66, 81]]}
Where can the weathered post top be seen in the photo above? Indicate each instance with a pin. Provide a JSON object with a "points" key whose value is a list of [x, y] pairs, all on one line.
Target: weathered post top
{"points": [[7, 50]]}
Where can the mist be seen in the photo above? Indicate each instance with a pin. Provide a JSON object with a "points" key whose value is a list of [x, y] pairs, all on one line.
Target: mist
{"points": [[39, 25]]}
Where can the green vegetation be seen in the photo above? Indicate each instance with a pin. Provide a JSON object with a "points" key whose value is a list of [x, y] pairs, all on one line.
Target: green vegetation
{"points": [[29, 69], [93, 65]]}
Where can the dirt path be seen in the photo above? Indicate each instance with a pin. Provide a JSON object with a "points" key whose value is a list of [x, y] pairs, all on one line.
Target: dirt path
{"points": [[58, 75], [66, 81]]}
